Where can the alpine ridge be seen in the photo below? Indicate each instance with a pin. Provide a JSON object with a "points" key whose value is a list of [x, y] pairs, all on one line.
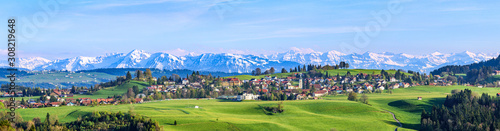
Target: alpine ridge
{"points": [[232, 63]]}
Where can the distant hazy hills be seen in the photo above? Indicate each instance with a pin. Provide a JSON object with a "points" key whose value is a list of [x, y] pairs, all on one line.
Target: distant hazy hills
{"points": [[237, 63]]}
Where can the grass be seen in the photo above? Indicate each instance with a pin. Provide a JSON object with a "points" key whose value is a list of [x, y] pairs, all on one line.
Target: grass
{"points": [[403, 102], [220, 115], [118, 90], [331, 112]]}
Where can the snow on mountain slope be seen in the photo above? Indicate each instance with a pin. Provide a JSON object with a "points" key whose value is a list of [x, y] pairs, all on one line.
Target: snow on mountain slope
{"points": [[226, 62], [31, 63]]}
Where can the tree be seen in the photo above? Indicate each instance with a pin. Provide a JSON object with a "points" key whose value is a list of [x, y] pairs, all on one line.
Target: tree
{"points": [[347, 65], [364, 99], [139, 75], [352, 96], [271, 70], [53, 99], [135, 89], [47, 119], [283, 70], [175, 122], [130, 92], [258, 71], [342, 64], [129, 76], [148, 74]]}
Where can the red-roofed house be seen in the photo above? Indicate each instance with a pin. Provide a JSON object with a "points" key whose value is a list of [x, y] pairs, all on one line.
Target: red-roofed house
{"points": [[55, 104], [320, 93]]}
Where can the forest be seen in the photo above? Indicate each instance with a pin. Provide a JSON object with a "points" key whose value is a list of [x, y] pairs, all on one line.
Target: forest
{"points": [[463, 110]]}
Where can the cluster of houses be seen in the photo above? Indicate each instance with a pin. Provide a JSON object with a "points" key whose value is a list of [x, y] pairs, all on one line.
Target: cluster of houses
{"points": [[64, 97], [322, 85], [32, 103]]}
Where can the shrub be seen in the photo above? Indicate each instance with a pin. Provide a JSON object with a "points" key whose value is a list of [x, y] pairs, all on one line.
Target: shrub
{"points": [[352, 96]]}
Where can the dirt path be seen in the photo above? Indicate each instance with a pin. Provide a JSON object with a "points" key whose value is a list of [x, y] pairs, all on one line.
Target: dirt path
{"points": [[394, 116]]}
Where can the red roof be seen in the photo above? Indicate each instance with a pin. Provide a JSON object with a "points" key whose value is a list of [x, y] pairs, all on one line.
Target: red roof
{"points": [[138, 99], [55, 103], [320, 92]]}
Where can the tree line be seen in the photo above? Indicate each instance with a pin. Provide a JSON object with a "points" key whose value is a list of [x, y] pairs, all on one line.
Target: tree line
{"points": [[463, 111]]}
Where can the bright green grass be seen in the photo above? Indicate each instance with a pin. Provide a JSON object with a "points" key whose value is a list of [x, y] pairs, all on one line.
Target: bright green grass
{"points": [[118, 90], [298, 115], [332, 112], [403, 102]]}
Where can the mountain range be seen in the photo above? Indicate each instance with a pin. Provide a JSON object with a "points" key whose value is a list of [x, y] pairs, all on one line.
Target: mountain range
{"points": [[238, 63]]}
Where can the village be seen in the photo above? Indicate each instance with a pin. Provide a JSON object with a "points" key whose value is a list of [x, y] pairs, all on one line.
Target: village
{"points": [[294, 86]]}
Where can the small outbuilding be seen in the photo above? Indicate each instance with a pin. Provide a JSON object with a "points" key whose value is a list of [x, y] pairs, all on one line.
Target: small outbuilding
{"points": [[419, 98]]}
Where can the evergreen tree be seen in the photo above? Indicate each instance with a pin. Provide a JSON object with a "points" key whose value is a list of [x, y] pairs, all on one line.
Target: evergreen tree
{"points": [[129, 76], [148, 74]]}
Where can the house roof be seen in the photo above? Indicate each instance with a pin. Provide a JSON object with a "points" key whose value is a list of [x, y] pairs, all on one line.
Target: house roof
{"points": [[321, 92]]}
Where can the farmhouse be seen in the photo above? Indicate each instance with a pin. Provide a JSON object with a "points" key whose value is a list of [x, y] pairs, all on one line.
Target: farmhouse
{"points": [[247, 96], [55, 104], [70, 104], [320, 93], [231, 82]]}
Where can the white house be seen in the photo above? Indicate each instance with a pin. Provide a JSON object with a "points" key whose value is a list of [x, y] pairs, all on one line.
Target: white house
{"points": [[185, 81], [393, 79], [395, 86], [369, 87], [247, 96], [320, 93], [381, 88]]}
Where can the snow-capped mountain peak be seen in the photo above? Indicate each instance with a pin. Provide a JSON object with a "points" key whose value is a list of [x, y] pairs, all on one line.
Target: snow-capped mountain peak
{"points": [[227, 62]]}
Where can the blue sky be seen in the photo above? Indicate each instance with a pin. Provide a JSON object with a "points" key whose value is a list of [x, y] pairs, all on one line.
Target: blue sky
{"points": [[97, 27]]}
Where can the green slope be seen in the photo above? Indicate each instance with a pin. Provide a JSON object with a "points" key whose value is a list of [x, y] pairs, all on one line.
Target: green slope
{"points": [[118, 90]]}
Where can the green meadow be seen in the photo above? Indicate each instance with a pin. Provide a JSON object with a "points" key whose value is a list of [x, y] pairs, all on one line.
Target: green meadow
{"points": [[404, 104], [117, 90], [332, 112]]}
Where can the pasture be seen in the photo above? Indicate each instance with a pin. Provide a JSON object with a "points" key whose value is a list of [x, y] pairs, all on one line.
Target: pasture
{"points": [[332, 112]]}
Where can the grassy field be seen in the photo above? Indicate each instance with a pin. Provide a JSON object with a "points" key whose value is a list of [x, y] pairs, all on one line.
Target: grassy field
{"points": [[331, 112], [403, 102], [221, 115], [118, 90]]}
